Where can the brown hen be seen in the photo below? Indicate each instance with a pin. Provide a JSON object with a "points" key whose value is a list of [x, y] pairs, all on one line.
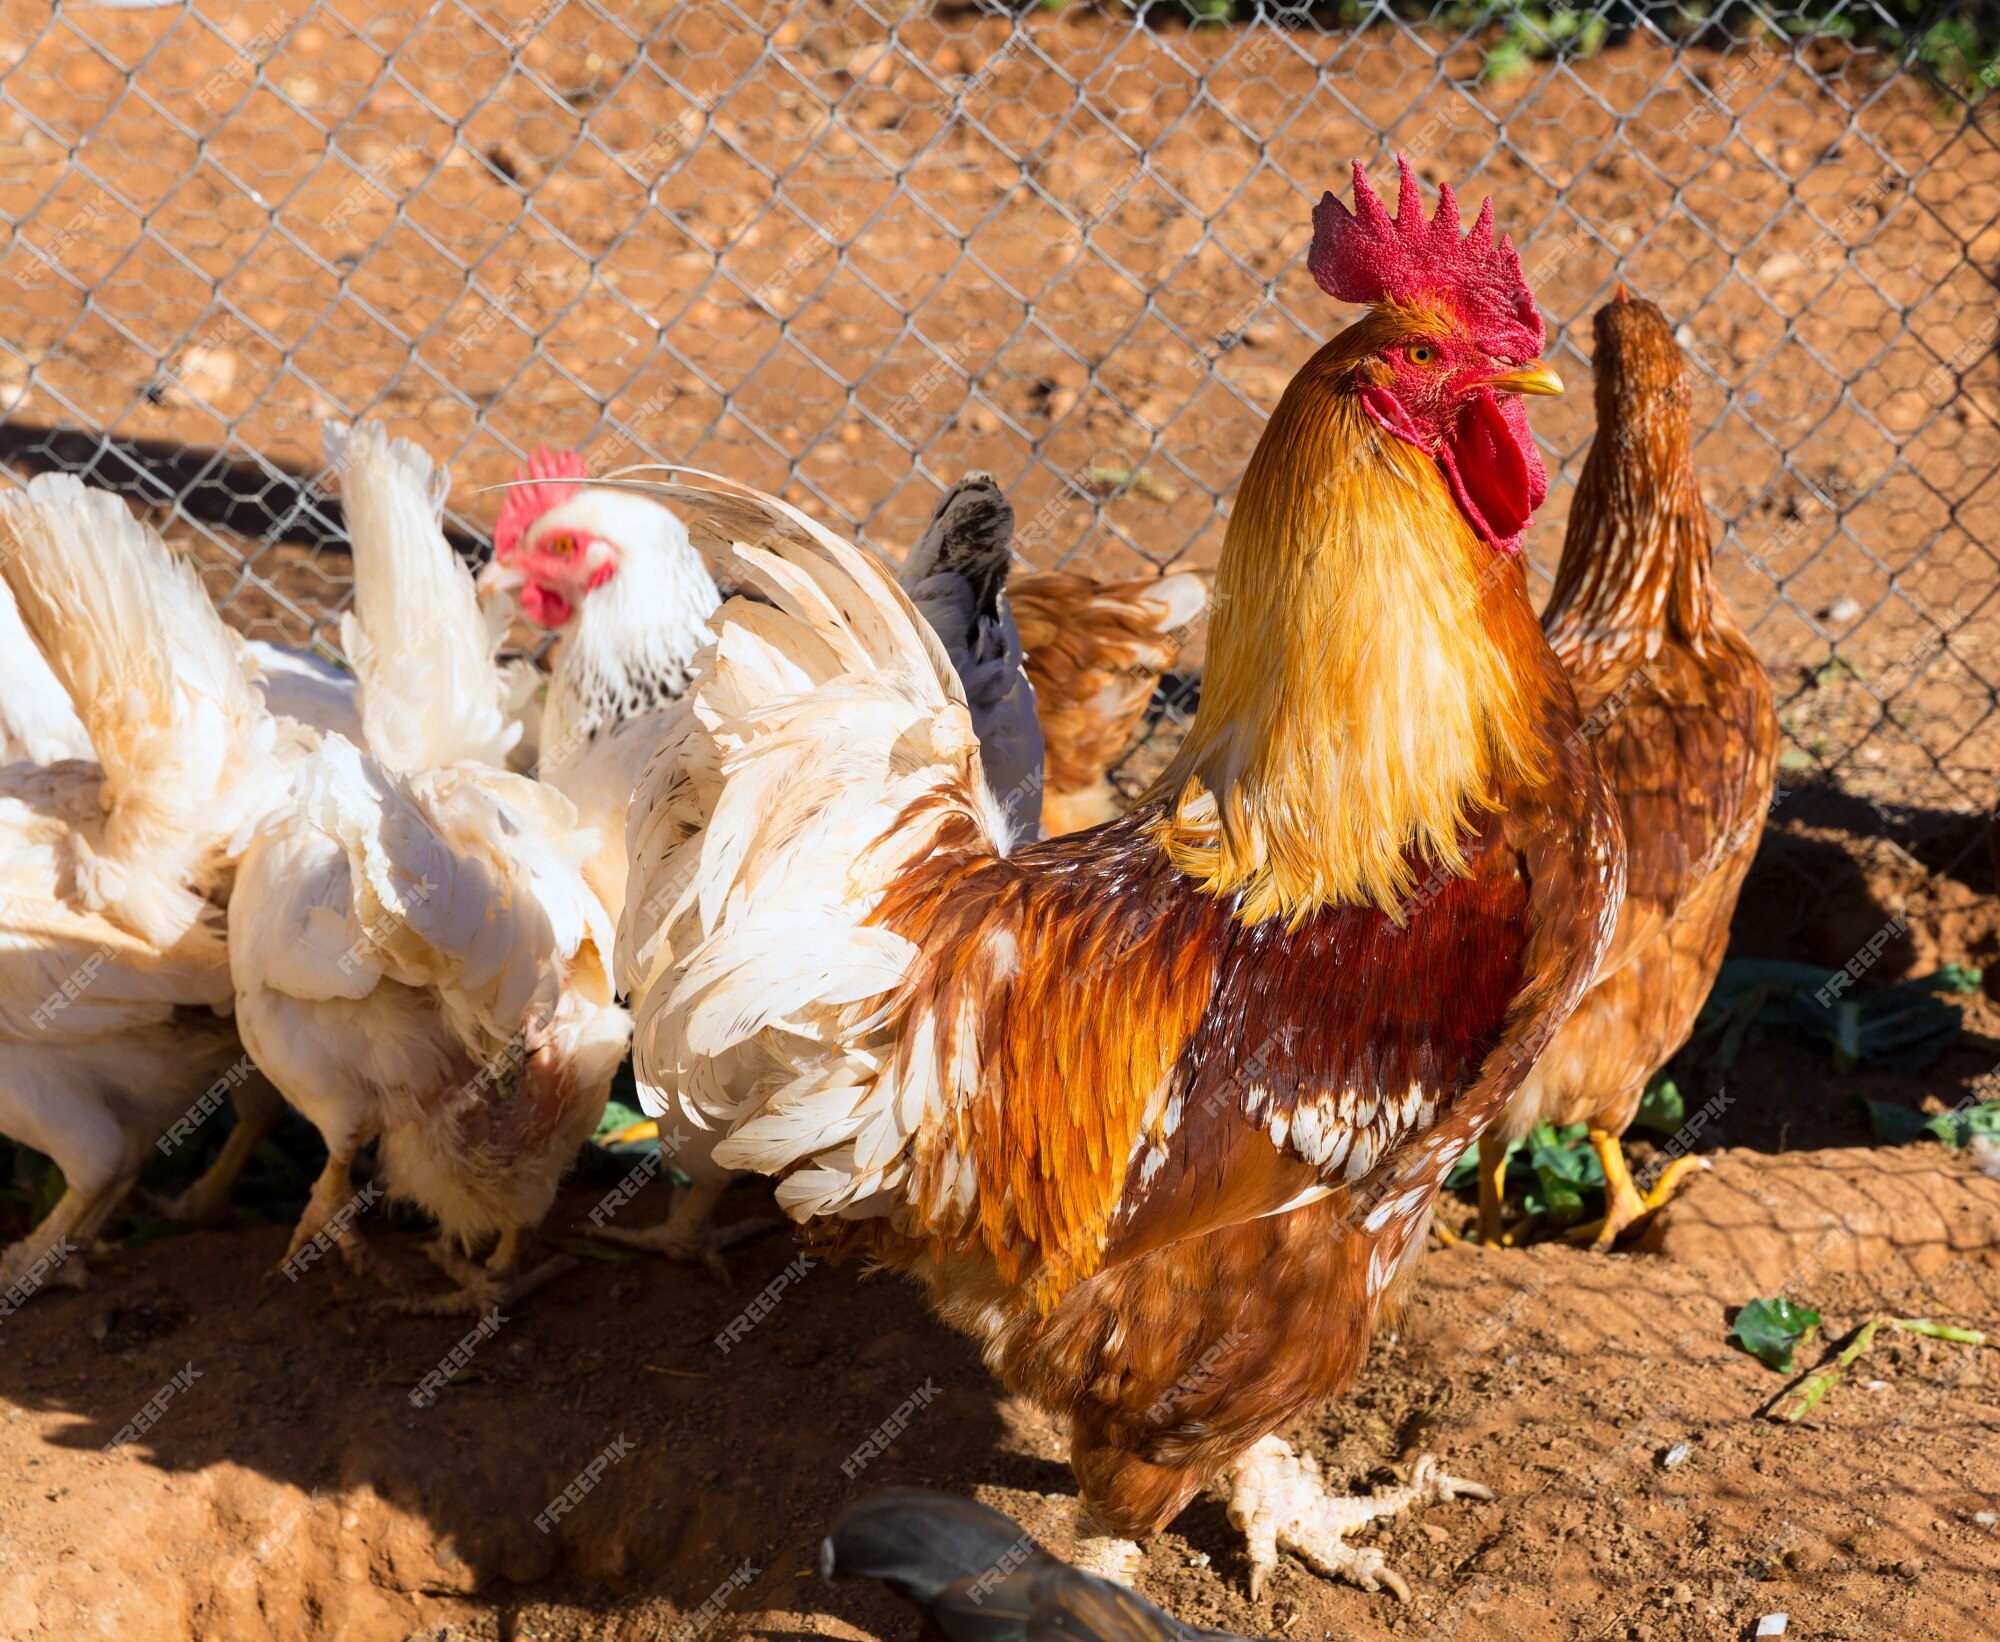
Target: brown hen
{"points": [[1095, 653], [1680, 710]]}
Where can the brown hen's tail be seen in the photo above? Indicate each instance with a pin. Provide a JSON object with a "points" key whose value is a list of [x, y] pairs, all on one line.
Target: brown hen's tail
{"points": [[975, 1576], [1096, 652]]}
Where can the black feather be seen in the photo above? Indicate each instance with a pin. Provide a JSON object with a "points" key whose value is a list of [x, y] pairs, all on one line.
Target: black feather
{"points": [[976, 1576], [971, 534]]}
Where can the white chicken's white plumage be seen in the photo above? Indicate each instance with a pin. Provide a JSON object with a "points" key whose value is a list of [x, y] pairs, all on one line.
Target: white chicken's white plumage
{"points": [[39, 726], [37, 723], [300, 685], [113, 974], [416, 954], [432, 689], [181, 736]]}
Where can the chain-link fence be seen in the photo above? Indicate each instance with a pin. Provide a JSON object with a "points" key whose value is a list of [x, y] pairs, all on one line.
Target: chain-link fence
{"points": [[852, 250]]}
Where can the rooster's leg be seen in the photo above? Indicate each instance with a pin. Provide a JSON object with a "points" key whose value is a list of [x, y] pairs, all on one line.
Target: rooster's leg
{"points": [[258, 1108], [685, 1235], [1624, 1204], [1492, 1189], [1276, 1498]]}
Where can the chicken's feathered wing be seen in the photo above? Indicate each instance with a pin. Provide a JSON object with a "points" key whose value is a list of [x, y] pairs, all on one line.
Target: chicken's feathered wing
{"points": [[37, 723], [1684, 748], [466, 880], [1060, 1057]]}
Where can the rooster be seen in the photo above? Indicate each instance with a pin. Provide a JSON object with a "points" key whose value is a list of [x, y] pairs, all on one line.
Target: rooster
{"points": [[1159, 1111], [1096, 651], [1679, 708], [416, 953], [114, 981]]}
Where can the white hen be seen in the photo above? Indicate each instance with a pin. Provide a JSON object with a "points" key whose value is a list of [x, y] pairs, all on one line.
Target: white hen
{"points": [[114, 983], [416, 953]]}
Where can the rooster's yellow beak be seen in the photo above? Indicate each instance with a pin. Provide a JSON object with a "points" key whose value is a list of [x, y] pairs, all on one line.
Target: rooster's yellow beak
{"points": [[1533, 377]]}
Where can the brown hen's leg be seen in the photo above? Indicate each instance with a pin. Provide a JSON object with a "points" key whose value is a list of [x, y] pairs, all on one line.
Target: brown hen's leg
{"points": [[1492, 1190], [1624, 1204], [1277, 1499]]}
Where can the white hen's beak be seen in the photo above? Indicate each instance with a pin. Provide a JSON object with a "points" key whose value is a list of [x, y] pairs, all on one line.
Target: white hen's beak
{"points": [[499, 577]]}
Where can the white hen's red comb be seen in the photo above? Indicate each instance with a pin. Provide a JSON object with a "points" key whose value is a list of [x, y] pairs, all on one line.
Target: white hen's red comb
{"points": [[558, 475], [1368, 256]]}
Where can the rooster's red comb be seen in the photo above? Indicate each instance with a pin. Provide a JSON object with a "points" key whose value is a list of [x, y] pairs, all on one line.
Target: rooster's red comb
{"points": [[557, 473], [1368, 256]]}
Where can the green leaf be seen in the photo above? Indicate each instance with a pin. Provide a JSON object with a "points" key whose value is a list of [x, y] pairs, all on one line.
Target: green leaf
{"points": [[1892, 1124], [1661, 1108], [1565, 1168], [1771, 1330], [1900, 1125], [1956, 978]]}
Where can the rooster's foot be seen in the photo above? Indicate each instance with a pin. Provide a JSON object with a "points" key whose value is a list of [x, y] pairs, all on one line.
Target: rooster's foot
{"points": [[1625, 1205], [1276, 1498], [686, 1235]]}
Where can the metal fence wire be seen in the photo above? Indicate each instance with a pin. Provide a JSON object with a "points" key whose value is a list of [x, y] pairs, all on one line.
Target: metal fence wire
{"points": [[851, 250]]}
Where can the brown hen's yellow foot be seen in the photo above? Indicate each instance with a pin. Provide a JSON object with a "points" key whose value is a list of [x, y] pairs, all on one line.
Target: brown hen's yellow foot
{"points": [[1492, 1191], [1625, 1204]]}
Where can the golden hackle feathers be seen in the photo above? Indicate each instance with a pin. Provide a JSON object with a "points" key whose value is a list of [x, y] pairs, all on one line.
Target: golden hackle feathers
{"points": [[1307, 778], [158, 681]]}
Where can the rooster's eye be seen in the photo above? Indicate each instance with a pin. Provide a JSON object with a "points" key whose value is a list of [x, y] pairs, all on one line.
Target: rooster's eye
{"points": [[562, 546], [1422, 355]]}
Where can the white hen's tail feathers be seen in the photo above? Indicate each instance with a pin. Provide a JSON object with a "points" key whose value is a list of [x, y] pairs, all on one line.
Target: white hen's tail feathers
{"points": [[762, 836], [159, 684], [431, 691], [37, 723]]}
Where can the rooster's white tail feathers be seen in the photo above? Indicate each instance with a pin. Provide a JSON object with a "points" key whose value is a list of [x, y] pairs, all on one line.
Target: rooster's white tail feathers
{"points": [[159, 684], [825, 744]]}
